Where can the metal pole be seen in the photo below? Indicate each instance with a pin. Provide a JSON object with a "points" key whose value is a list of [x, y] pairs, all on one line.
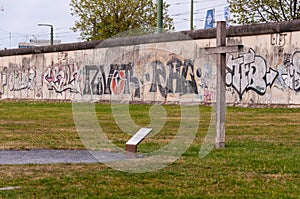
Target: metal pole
{"points": [[51, 31], [160, 15], [51, 35], [192, 15]]}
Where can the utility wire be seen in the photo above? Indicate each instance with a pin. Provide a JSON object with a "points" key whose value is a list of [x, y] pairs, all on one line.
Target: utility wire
{"points": [[184, 3], [59, 32], [197, 11]]}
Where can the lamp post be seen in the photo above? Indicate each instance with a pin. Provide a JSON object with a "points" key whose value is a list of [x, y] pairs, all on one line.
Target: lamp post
{"points": [[51, 33], [192, 15], [159, 15]]}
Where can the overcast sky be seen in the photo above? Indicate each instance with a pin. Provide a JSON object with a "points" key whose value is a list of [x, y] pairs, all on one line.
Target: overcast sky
{"points": [[20, 18]]}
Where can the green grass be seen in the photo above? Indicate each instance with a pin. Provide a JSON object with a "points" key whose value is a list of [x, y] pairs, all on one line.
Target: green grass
{"points": [[261, 158]]}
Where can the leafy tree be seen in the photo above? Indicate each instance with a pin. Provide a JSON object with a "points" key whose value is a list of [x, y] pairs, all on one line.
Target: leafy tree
{"points": [[256, 11], [102, 19]]}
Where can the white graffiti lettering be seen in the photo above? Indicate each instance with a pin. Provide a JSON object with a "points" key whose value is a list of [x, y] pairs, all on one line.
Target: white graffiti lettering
{"points": [[3, 80], [22, 79], [249, 72], [291, 73]]}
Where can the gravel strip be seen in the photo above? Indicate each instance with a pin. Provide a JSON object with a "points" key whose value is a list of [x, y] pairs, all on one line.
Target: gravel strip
{"points": [[42, 156]]}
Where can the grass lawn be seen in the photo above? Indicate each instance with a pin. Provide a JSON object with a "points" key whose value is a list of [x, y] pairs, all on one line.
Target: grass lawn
{"points": [[261, 158]]}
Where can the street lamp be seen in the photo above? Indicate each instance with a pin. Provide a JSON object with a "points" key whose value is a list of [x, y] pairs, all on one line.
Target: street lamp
{"points": [[159, 15], [192, 15], [51, 33]]}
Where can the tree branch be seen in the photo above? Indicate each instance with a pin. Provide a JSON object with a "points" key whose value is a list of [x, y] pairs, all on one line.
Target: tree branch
{"points": [[291, 8], [282, 10], [271, 13]]}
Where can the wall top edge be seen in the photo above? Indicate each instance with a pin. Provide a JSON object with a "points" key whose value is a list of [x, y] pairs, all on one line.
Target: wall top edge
{"points": [[232, 31]]}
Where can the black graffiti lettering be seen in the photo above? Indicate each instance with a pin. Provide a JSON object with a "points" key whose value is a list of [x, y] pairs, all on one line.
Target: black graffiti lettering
{"points": [[118, 80], [180, 78], [189, 75], [158, 74], [297, 82], [278, 39], [246, 76], [113, 67], [93, 83], [287, 59], [174, 76], [183, 75], [249, 72], [135, 82], [257, 81]]}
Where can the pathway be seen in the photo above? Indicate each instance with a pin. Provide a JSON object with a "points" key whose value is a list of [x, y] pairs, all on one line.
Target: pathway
{"points": [[40, 156]]}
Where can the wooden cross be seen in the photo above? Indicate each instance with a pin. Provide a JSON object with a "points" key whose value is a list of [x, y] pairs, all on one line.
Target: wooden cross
{"points": [[221, 51]]}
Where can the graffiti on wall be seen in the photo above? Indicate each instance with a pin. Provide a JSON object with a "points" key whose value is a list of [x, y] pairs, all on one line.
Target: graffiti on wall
{"points": [[206, 87], [290, 72], [119, 80], [278, 39], [3, 80], [20, 79], [62, 78], [163, 76], [17, 79], [249, 72], [176, 77]]}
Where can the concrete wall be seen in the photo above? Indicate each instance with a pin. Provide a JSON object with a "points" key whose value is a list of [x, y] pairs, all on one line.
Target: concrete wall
{"points": [[161, 68]]}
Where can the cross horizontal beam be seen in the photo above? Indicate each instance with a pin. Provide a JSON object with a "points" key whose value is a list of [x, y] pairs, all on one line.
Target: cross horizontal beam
{"points": [[222, 49]]}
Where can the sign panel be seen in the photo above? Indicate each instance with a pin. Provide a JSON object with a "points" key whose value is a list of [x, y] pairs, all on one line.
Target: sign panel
{"points": [[226, 15], [139, 136], [210, 19]]}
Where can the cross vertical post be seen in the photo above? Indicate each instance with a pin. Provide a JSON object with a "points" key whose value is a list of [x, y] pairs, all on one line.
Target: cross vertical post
{"points": [[221, 88], [220, 50]]}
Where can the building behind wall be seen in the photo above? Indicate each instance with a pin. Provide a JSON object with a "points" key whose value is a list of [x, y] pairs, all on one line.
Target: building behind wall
{"points": [[37, 42]]}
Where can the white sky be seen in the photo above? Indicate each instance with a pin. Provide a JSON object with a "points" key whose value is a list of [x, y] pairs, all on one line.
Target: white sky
{"points": [[20, 18]]}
